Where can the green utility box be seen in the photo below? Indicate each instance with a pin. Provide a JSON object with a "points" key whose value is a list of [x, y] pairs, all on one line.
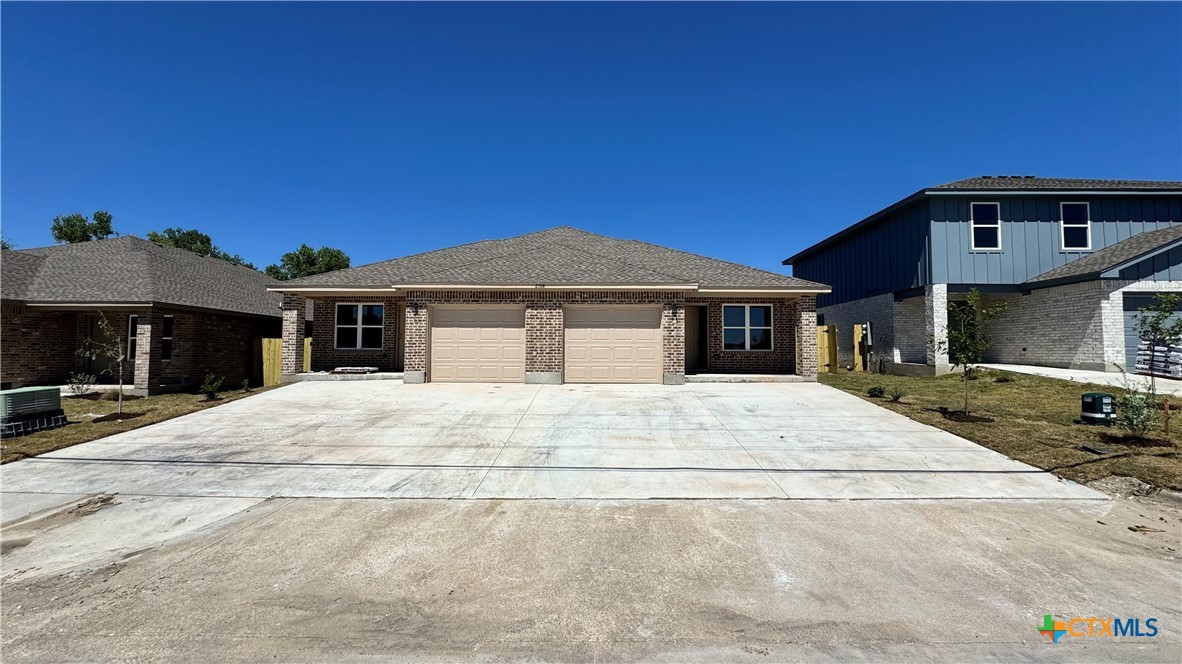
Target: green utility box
{"points": [[1098, 408], [28, 409]]}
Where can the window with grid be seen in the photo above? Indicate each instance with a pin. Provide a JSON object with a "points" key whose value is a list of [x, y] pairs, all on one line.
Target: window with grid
{"points": [[359, 326], [986, 226], [746, 327]]}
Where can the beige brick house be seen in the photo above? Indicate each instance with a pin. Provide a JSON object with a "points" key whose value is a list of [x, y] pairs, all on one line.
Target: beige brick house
{"points": [[180, 315], [561, 305]]}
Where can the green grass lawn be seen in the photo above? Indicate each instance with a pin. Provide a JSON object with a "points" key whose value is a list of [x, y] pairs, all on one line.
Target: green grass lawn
{"points": [[1033, 421], [82, 412]]}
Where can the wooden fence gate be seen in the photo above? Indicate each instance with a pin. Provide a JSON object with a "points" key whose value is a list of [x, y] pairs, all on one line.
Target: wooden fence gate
{"points": [[268, 359], [826, 348]]}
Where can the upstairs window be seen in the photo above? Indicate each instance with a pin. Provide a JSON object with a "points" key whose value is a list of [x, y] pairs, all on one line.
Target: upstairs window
{"points": [[1076, 226], [746, 327], [359, 326], [986, 226]]}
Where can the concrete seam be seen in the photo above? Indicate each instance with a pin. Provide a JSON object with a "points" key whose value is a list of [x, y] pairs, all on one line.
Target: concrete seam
{"points": [[740, 443], [506, 444]]}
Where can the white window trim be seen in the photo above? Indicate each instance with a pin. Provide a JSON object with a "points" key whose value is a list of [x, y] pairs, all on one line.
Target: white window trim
{"points": [[973, 226], [1063, 226], [770, 327], [359, 326], [162, 338], [133, 333]]}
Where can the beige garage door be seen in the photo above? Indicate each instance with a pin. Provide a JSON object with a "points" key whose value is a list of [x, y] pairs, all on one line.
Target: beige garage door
{"points": [[478, 344], [613, 344]]}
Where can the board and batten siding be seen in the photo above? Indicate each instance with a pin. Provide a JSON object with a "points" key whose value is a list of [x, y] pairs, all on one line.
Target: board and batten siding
{"points": [[889, 255], [1030, 234], [1164, 266]]}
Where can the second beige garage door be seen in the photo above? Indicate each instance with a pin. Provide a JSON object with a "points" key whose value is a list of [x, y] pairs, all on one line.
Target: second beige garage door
{"points": [[478, 345], [613, 344]]}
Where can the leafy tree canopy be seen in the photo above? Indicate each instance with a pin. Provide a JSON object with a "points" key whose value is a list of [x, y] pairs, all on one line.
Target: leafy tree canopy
{"points": [[77, 228], [5, 243], [197, 242], [306, 261]]}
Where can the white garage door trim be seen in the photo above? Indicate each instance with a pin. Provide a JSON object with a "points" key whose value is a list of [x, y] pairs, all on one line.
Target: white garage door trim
{"points": [[477, 344], [612, 344]]}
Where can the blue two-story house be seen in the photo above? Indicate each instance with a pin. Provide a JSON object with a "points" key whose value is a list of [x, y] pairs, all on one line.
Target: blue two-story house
{"points": [[1074, 260]]}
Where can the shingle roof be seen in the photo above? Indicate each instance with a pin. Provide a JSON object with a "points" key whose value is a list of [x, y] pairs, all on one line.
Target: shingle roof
{"points": [[131, 269], [1020, 182], [1114, 255], [559, 256]]}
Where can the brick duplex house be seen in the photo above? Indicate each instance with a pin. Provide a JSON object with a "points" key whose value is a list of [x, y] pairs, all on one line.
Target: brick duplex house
{"points": [[561, 305], [181, 315]]}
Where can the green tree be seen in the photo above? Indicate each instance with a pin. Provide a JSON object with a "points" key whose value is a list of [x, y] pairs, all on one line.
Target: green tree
{"points": [[967, 340], [197, 242], [5, 243], [77, 228], [108, 345], [306, 261], [1160, 325]]}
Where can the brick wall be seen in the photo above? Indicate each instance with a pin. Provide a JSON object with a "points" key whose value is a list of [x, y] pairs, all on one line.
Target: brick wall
{"points": [[39, 347], [806, 343], [780, 360], [326, 356], [879, 311], [1056, 327], [543, 337], [673, 338]]}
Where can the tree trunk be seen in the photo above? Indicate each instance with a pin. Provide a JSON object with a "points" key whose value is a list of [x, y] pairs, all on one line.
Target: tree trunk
{"points": [[120, 369], [965, 378]]}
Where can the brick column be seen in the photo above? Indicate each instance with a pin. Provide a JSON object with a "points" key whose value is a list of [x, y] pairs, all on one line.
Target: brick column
{"points": [[293, 335], [148, 333], [543, 343], [414, 339], [806, 337], [935, 311], [673, 342]]}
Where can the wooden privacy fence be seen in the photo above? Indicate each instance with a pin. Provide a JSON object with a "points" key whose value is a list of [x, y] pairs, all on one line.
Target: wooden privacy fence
{"points": [[268, 360], [826, 348]]}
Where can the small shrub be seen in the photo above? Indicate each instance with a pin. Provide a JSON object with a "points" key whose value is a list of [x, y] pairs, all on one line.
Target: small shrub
{"points": [[211, 386], [876, 392], [80, 383], [896, 394], [1004, 378], [245, 384], [1136, 414]]}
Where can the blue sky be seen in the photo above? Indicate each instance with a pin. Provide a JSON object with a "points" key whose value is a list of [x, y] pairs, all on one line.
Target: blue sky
{"points": [[744, 132]]}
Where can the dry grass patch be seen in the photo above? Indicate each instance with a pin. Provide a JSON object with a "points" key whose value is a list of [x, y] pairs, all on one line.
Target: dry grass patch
{"points": [[1032, 420], [93, 416]]}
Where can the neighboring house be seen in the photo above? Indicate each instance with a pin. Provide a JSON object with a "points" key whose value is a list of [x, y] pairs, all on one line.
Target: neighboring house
{"points": [[1073, 258], [181, 315], [560, 305]]}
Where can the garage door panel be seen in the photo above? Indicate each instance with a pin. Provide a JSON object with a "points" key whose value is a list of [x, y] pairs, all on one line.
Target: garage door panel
{"points": [[478, 344], [613, 344]]}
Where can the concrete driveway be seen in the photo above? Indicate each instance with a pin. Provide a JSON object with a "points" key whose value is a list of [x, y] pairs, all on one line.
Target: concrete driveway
{"points": [[386, 439]]}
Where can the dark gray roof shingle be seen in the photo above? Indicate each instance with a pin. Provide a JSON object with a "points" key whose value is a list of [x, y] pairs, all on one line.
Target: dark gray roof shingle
{"points": [[1125, 251], [559, 256], [1020, 182], [131, 269]]}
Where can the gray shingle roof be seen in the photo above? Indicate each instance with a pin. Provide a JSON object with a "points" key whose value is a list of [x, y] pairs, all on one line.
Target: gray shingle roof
{"points": [[1019, 182], [559, 256], [1125, 251], [131, 269]]}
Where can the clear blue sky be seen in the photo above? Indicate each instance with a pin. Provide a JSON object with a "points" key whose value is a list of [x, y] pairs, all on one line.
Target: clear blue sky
{"points": [[745, 132]]}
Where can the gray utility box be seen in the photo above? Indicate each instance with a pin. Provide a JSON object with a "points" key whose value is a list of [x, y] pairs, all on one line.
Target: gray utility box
{"points": [[1097, 408], [28, 409]]}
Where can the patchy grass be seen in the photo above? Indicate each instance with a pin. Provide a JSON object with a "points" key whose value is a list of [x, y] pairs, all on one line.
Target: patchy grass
{"points": [[93, 416], [1028, 418]]}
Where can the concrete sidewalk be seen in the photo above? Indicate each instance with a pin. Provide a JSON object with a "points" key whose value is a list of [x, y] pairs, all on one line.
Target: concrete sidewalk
{"points": [[1165, 386]]}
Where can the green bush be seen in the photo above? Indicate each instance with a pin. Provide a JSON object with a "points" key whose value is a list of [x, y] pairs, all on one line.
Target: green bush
{"points": [[80, 383], [1136, 414], [876, 392], [896, 394], [211, 386]]}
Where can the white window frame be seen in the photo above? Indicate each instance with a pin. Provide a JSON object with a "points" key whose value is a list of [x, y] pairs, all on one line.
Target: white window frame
{"points": [[359, 326], [973, 225], [132, 335], [1063, 226], [770, 327], [162, 338]]}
